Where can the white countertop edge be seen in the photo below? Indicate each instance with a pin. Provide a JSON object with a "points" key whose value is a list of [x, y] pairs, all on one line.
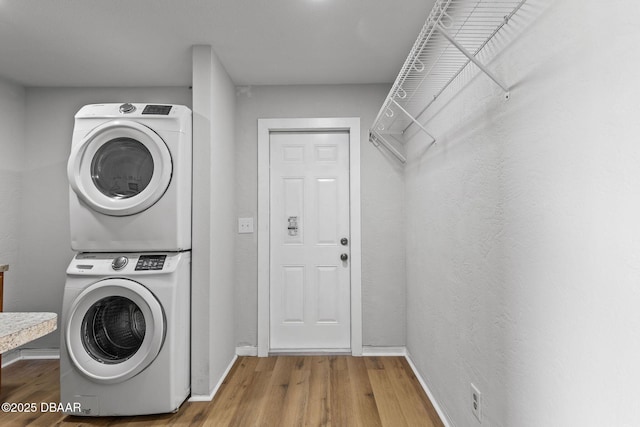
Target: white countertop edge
{"points": [[17, 329]]}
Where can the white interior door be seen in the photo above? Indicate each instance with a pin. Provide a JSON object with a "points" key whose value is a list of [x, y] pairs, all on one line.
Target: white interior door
{"points": [[309, 288]]}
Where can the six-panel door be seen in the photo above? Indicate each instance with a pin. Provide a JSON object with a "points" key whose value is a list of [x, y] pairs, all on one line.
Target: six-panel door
{"points": [[309, 216]]}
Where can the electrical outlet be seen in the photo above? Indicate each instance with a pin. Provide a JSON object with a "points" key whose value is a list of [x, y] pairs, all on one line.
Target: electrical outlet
{"points": [[476, 402], [245, 225]]}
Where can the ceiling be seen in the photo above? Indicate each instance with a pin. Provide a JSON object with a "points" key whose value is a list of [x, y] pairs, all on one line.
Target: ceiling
{"points": [[81, 43]]}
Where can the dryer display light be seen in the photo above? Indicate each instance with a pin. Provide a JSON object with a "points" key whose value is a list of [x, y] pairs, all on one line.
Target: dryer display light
{"points": [[162, 110]]}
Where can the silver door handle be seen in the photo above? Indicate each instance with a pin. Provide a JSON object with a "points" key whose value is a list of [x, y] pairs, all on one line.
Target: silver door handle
{"points": [[344, 257]]}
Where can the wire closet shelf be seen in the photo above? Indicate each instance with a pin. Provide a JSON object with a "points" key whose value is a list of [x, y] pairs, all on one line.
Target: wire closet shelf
{"points": [[451, 38]]}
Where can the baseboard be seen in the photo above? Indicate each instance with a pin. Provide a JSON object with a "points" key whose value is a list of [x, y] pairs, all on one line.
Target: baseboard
{"points": [[29, 354], [434, 402], [368, 350], [309, 352], [209, 397], [247, 350]]}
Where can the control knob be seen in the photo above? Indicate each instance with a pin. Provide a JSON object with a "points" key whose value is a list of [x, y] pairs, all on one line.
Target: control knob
{"points": [[119, 263], [127, 108]]}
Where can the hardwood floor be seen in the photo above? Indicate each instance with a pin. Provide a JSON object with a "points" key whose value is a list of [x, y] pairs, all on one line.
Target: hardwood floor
{"points": [[274, 391]]}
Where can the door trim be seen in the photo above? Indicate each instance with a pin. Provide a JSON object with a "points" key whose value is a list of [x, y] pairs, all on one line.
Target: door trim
{"points": [[265, 127]]}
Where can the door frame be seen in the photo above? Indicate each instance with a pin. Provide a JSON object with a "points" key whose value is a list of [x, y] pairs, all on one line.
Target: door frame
{"points": [[265, 127]]}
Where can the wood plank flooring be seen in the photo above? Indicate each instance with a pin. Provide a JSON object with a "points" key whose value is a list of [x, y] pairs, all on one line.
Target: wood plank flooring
{"points": [[275, 391]]}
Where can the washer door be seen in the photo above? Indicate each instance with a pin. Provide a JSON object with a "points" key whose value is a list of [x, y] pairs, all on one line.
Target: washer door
{"points": [[115, 329], [120, 168]]}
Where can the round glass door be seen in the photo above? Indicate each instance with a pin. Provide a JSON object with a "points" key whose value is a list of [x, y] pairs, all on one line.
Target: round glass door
{"points": [[120, 168], [115, 329]]}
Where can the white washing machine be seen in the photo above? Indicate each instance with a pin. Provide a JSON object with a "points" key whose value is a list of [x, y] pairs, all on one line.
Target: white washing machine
{"points": [[125, 346], [130, 176]]}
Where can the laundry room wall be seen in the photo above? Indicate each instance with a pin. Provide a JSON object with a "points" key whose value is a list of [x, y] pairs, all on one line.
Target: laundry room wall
{"points": [[383, 276], [12, 136], [44, 251], [523, 248], [214, 192]]}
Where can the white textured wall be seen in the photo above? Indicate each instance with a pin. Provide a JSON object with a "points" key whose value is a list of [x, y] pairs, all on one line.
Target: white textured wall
{"points": [[12, 141], [383, 273], [44, 245], [222, 347], [213, 334], [523, 247]]}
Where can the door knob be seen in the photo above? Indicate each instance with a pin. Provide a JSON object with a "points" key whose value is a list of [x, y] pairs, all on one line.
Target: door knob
{"points": [[344, 257], [344, 241]]}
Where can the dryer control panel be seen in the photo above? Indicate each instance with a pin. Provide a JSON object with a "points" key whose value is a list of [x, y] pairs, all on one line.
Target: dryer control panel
{"points": [[150, 262]]}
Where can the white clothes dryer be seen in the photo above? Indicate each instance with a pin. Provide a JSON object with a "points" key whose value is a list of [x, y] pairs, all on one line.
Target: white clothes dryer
{"points": [[130, 178], [125, 338]]}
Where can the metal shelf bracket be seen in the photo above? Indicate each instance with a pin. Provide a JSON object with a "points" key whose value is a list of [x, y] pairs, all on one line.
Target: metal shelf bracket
{"points": [[413, 119], [473, 59], [377, 139]]}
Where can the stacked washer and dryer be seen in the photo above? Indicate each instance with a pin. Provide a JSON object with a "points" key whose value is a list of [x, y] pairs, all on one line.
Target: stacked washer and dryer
{"points": [[125, 345]]}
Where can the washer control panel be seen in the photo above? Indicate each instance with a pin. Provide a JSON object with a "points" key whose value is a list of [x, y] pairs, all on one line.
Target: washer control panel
{"points": [[129, 263], [150, 262]]}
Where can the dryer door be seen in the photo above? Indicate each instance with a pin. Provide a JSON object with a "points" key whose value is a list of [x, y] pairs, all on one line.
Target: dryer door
{"points": [[115, 329], [120, 168]]}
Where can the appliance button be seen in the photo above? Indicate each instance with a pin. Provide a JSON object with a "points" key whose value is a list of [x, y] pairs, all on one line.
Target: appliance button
{"points": [[127, 108], [119, 263]]}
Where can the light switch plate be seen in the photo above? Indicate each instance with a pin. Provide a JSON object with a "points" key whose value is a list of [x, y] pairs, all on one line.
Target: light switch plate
{"points": [[245, 225]]}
